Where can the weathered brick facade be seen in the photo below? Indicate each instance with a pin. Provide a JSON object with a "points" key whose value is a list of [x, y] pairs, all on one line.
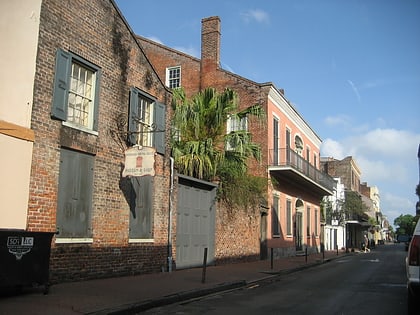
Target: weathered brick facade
{"points": [[96, 31], [346, 169], [247, 233]]}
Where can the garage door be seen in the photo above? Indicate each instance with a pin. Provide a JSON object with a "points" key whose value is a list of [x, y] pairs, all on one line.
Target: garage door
{"points": [[195, 229]]}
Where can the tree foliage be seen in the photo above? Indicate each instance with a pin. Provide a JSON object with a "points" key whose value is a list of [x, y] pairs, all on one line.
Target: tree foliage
{"points": [[405, 224], [354, 207], [199, 139]]}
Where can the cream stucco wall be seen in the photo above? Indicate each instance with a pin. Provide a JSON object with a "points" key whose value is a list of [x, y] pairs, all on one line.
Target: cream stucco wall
{"points": [[15, 168], [19, 25]]}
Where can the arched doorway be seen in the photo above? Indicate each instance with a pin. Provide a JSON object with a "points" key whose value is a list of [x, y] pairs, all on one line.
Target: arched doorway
{"points": [[299, 225]]}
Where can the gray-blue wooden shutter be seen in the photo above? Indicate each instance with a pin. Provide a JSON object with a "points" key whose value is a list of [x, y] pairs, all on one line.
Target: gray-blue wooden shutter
{"points": [[141, 217], [96, 104], [61, 85], [75, 192], [275, 216], [159, 120], [133, 113]]}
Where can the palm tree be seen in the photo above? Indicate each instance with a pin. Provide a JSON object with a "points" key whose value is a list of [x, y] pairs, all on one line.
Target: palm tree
{"points": [[199, 138]]}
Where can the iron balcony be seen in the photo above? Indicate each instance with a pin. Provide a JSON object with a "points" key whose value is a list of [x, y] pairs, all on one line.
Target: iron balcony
{"points": [[288, 167]]}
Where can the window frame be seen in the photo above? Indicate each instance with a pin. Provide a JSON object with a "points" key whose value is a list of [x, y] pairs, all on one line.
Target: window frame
{"points": [[62, 85], [157, 130], [170, 80]]}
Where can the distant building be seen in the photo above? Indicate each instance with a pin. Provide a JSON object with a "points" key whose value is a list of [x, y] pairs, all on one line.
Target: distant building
{"points": [[349, 173], [335, 223]]}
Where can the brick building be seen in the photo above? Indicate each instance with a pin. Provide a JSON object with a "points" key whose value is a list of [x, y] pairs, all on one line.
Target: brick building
{"points": [[347, 169], [290, 155], [87, 93]]}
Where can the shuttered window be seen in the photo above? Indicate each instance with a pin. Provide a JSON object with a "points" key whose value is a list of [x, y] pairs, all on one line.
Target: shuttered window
{"points": [[308, 222], [141, 209], [76, 91], [75, 190], [275, 222], [275, 141], [146, 122], [289, 217]]}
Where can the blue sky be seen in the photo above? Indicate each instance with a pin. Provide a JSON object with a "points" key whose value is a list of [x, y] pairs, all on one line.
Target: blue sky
{"points": [[351, 69]]}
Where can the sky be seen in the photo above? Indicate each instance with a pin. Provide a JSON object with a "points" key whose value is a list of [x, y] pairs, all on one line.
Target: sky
{"points": [[350, 68]]}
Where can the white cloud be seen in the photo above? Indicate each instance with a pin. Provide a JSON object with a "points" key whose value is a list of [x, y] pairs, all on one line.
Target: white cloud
{"points": [[355, 90], [377, 143], [394, 206], [338, 120], [332, 148], [257, 15]]}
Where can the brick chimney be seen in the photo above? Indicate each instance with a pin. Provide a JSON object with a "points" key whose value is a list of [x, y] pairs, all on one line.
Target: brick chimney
{"points": [[210, 48]]}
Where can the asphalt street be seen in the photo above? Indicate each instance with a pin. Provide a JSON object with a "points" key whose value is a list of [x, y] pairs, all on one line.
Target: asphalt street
{"points": [[366, 283]]}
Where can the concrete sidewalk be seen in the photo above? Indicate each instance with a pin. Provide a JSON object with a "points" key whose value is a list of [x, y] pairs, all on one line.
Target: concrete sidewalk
{"points": [[133, 294]]}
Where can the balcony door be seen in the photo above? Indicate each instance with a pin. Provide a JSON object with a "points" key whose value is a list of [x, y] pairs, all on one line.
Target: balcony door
{"points": [[299, 225]]}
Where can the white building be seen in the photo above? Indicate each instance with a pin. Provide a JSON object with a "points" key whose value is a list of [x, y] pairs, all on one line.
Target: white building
{"points": [[334, 229]]}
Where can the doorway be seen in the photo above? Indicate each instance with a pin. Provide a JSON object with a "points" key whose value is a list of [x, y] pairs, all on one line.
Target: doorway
{"points": [[263, 236], [299, 225]]}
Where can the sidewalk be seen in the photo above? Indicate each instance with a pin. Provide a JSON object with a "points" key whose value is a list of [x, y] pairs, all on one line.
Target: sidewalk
{"points": [[128, 295]]}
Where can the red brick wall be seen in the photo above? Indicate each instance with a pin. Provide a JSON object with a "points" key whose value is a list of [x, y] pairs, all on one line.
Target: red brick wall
{"points": [[237, 234], [190, 66], [95, 31]]}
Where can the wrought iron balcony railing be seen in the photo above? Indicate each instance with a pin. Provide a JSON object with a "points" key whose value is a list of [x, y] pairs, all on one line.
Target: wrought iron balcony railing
{"points": [[287, 158]]}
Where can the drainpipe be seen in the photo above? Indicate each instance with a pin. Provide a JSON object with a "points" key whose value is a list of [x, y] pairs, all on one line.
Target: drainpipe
{"points": [[171, 188]]}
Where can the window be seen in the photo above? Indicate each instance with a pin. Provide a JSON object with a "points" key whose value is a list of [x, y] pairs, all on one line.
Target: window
{"points": [[275, 222], [289, 217], [76, 91], [235, 123], [288, 154], [316, 222], [173, 77], [298, 145], [75, 189], [275, 141], [146, 121], [236, 126]]}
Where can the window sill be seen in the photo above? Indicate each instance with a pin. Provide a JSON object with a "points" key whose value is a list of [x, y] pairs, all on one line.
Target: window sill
{"points": [[70, 125], [73, 240], [140, 240]]}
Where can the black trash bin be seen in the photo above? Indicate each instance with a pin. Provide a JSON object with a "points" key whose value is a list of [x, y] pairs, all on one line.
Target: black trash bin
{"points": [[24, 259]]}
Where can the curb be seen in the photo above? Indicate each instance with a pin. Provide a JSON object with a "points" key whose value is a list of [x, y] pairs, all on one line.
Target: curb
{"points": [[170, 299]]}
